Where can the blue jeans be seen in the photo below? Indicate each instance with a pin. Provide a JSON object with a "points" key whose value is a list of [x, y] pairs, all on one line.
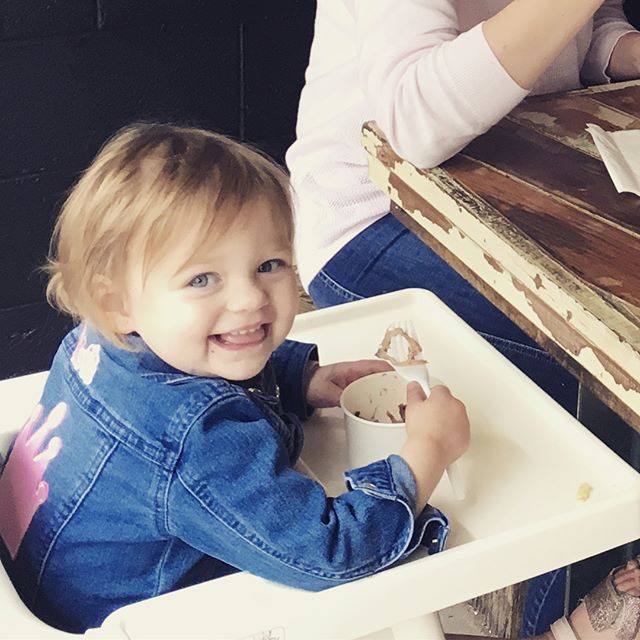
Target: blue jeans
{"points": [[386, 257]]}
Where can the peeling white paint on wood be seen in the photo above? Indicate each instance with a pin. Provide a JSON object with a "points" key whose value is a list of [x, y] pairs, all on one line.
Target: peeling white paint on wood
{"points": [[595, 333]]}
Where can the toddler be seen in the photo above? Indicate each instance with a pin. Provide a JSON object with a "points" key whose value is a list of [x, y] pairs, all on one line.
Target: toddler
{"points": [[162, 451]]}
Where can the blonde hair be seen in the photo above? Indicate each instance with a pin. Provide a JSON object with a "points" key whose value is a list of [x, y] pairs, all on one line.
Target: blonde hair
{"points": [[148, 185]]}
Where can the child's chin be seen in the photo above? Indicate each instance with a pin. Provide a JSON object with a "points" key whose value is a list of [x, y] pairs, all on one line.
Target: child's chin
{"points": [[237, 374]]}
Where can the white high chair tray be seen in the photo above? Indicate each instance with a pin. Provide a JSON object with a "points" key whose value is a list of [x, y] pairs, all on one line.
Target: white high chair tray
{"points": [[521, 517]]}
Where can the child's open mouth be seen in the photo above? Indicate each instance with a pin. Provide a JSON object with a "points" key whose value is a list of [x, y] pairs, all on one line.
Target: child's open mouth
{"points": [[241, 338]]}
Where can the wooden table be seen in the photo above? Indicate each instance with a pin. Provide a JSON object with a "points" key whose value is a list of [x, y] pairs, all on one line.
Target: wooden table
{"points": [[528, 214]]}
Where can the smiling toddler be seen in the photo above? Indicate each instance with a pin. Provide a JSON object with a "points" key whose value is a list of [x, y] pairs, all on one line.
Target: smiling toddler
{"points": [[162, 451]]}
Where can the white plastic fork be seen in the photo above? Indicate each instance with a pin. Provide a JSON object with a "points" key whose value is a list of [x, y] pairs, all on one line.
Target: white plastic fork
{"points": [[404, 349], [407, 361]]}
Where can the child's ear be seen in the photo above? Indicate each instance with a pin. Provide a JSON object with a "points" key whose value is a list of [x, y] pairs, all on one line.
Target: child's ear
{"points": [[114, 304]]}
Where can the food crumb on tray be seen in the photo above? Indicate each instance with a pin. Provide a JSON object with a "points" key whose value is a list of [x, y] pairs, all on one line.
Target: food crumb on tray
{"points": [[584, 492]]}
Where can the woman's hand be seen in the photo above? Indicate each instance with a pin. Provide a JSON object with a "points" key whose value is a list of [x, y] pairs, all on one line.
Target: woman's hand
{"points": [[327, 383]]}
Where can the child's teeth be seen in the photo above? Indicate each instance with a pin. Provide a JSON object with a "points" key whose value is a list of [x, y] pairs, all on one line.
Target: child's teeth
{"points": [[242, 332], [242, 336]]}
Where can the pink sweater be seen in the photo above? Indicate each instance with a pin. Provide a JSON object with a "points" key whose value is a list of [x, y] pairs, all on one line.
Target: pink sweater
{"points": [[424, 71]]}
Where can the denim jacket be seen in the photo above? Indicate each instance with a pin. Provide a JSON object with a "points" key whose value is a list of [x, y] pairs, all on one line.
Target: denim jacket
{"points": [[136, 479]]}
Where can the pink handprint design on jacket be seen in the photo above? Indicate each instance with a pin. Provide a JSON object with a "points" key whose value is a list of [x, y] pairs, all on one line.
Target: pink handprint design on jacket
{"points": [[85, 359], [22, 489]]}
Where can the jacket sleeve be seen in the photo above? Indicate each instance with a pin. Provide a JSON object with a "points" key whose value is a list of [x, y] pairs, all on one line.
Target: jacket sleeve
{"points": [[289, 363], [434, 88], [233, 496], [609, 25]]}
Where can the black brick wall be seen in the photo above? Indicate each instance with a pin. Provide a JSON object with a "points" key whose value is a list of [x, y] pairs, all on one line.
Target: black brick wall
{"points": [[632, 7], [74, 71]]}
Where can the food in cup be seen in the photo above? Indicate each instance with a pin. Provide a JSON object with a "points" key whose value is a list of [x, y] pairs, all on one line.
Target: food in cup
{"points": [[373, 417], [391, 418], [413, 346]]}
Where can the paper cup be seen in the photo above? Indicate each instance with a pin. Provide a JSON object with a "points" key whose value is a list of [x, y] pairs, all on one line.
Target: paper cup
{"points": [[369, 405]]}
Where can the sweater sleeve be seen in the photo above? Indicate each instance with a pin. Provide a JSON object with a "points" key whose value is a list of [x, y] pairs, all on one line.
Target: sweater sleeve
{"points": [[609, 25], [434, 89]]}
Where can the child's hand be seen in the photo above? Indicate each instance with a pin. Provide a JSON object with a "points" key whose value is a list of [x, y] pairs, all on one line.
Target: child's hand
{"points": [[440, 421], [327, 383], [437, 434]]}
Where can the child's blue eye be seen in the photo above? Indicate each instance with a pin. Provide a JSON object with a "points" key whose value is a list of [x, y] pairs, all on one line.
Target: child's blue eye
{"points": [[271, 265], [202, 280]]}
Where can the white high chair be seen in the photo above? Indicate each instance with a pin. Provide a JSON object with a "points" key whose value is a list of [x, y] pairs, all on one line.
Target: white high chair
{"points": [[522, 515]]}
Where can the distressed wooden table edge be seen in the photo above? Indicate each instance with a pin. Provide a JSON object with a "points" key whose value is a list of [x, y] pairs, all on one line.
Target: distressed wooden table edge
{"points": [[492, 253], [594, 89]]}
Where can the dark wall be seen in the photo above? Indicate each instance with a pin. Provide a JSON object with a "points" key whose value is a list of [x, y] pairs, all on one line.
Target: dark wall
{"points": [[74, 71], [632, 8]]}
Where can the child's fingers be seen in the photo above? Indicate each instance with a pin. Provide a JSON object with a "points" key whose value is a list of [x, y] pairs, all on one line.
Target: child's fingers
{"points": [[415, 393], [377, 365], [361, 368], [333, 393]]}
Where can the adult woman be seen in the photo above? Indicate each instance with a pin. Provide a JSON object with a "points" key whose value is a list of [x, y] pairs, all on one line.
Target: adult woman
{"points": [[434, 74]]}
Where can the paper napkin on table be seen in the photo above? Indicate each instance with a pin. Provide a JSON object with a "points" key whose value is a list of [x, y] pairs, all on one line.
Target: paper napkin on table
{"points": [[620, 152]]}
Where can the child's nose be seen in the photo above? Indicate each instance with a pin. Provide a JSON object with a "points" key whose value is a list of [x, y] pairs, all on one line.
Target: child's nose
{"points": [[246, 295]]}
